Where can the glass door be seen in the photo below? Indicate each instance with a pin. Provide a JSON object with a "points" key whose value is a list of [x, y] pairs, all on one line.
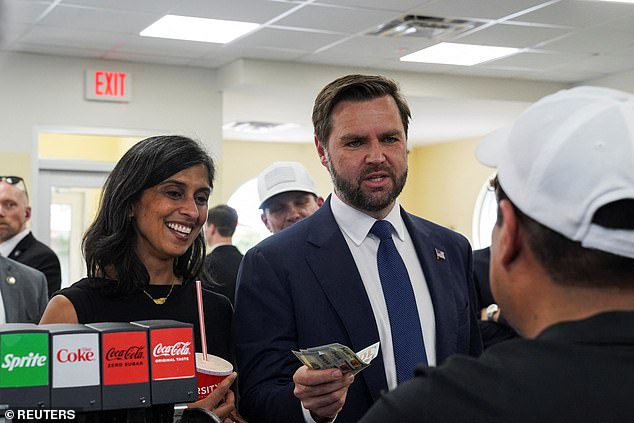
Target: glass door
{"points": [[67, 204]]}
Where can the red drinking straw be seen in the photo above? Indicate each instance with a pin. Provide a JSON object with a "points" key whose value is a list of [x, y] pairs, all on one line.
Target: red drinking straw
{"points": [[201, 318]]}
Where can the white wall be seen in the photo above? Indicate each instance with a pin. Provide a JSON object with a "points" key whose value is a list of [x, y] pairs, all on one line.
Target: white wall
{"points": [[39, 90]]}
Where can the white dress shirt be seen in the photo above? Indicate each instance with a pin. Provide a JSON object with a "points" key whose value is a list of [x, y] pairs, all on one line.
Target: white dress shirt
{"points": [[7, 246], [355, 227]]}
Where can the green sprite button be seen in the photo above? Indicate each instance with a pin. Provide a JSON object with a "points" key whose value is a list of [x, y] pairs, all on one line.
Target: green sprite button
{"points": [[23, 360]]}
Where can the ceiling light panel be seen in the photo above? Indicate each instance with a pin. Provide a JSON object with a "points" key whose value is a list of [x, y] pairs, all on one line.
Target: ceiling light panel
{"points": [[458, 54], [198, 29]]}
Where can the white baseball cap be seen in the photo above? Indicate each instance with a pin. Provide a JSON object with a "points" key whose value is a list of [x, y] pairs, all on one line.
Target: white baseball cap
{"points": [[566, 156], [284, 176]]}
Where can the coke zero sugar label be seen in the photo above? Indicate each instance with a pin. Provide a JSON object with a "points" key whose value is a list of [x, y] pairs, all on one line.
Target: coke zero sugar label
{"points": [[124, 358]]}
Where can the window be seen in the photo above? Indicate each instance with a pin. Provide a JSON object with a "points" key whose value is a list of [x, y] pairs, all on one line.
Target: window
{"points": [[484, 216], [250, 228]]}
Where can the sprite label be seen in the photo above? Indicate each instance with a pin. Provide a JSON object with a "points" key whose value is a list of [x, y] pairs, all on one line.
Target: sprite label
{"points": [[24, 360]]}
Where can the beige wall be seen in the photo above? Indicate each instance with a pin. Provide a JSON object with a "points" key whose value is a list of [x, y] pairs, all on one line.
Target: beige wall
{"points": [[443, 183], [244, 160]]}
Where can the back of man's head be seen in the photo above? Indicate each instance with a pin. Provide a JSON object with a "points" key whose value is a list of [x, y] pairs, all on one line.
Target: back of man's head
{"points": [[567, 166], [225, 218]]}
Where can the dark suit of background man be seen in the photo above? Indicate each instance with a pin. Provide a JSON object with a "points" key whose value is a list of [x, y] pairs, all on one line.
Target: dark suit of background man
{"points": [[224, 258], [317, 281], [493, 326], [23, 292], [562, 270], [16, 240]]}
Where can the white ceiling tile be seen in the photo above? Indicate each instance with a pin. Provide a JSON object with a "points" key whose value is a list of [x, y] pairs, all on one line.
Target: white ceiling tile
{"points": [[59, 50], [481, 9], [256, 11], [505, 35], [287, 39], [162, 47], [533, 60], [394, 6], [594, 41], [578, 13], [72, 37], [21, 11], [106, 20], [145, 58], [336, 19], [155, 6], [376, 47]]}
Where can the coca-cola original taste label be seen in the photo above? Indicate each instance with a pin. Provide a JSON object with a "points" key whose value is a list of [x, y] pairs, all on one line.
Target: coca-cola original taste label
{"points": [[172, 353], [124, 358]]}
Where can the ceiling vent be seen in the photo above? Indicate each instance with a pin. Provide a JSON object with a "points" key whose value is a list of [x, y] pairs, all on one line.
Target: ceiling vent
{"points": [[424, 26]]}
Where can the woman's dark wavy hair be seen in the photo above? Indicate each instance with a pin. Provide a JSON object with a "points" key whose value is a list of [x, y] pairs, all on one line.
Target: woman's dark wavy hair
{"points": [[109, 243]]}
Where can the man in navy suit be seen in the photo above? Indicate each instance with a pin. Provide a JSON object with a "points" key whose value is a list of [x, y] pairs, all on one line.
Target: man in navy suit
{"points": [[318, 281]]}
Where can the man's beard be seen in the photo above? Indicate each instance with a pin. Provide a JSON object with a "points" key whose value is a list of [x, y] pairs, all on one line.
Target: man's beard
{"points": [[354, 195]]}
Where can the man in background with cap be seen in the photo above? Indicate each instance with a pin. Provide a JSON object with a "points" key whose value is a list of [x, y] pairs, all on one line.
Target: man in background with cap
{"points": [[562, 270], [287, 195], [359, 271]]}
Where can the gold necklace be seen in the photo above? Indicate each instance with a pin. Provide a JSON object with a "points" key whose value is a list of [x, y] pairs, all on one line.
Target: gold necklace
{"points": [[161, 300]]}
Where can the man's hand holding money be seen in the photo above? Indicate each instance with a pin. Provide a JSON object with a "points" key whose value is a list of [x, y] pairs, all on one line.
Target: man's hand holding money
{"points": [[322, 392]]}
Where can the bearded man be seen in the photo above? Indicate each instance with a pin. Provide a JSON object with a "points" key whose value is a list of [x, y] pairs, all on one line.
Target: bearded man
{"points": [[360, 270]]}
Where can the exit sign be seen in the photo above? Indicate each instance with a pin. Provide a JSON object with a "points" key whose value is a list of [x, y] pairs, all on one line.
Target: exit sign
{"points": [[102, 85]]}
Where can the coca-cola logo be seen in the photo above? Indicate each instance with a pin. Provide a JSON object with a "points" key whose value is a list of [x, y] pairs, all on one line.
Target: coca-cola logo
{"points": [[179, 348], [131, 353], [79, 355]]}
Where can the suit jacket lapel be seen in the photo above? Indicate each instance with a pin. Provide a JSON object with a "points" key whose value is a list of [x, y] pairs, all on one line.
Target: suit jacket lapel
{"points": [[438, 278], [24, 244], [337, 273], [11, 301]]}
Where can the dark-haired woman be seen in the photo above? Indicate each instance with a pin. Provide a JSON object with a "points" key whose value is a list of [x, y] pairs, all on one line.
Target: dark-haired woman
{"points": [[145, 249]]}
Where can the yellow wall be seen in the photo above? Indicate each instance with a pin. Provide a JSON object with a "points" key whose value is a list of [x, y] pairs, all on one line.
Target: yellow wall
{"points": [[17, 164], [83, 147], [443, 183], [243, 160]]}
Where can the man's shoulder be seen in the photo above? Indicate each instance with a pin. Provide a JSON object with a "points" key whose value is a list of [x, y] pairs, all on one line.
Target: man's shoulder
{"points": [[431, 229], [33, 247], [15, 267]]}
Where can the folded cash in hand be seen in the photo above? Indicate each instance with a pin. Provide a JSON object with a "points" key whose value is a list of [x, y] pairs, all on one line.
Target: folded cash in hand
{"points": [[339, 356]]}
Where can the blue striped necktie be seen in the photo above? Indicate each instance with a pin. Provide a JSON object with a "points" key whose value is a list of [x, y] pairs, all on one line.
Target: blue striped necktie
{"points": [[407, 335]]}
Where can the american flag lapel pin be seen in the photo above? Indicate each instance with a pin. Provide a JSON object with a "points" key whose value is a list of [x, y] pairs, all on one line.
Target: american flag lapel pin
{"points": [[440, 254]]}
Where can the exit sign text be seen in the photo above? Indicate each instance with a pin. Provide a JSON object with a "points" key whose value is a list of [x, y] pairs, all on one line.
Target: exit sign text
{"points": [[105, 85]]}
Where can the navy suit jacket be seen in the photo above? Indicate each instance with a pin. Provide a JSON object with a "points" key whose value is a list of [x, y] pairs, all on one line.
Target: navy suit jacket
{"points": [[300, 288], [39, 256]]}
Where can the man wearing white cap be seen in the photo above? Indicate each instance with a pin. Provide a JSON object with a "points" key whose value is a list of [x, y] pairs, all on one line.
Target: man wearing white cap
{"points": [[287, 195], [562, 270]]}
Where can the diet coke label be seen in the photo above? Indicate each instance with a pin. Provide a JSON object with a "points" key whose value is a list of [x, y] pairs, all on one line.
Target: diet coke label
{"points": [[172, 353], [75, 360]]}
